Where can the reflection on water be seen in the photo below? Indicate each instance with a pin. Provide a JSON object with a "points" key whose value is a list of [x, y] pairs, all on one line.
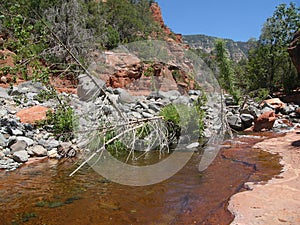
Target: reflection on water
{"points": [[43, 193]]}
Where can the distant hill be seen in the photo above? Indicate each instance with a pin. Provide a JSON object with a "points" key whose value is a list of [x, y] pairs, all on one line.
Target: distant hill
{"points": [[237, 49]]}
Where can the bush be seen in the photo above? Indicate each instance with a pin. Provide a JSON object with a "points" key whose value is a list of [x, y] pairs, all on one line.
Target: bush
{"points": [[63, 121]]}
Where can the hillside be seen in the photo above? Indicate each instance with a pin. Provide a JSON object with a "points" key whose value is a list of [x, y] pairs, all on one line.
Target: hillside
{"points": [[237, 50]]}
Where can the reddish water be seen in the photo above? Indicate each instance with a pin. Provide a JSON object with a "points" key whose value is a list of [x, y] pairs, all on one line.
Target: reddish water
{"points": [[43, 193]]}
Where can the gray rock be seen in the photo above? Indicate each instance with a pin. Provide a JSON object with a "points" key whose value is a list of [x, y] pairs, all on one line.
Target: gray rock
{"points": [[252, 110], [247, 119], [8, 164], [30, 86], [38, 150], [6, 151], [4, 93], [267, 108], [3, 112], [2, 155], [288, 109], [184, 100], [195, 92], [28, 141], [16, 132], [150, 111], [143, 105], [88, 89], [53, 153], [18, 146], [3, 141], [235, 122], [147, 115], [154, 107], [125, 97], [136, 115], [193, 145], [21, 156], [49, 144], [172, 95]]}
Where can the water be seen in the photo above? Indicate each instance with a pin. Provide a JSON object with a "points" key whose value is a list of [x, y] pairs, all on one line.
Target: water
{"points": [[43, 193]]}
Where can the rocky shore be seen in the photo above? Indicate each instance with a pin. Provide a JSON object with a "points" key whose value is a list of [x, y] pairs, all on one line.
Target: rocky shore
{"points": [[21, 107], [278, 200]]}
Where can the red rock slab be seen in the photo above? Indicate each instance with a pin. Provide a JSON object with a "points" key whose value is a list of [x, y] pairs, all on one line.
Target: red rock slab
{"points": [[275, 102], [33, 114], [278, 201], [265, 121]]}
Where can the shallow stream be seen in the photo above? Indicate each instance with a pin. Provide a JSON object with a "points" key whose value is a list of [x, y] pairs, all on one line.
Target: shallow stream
{"points": [[43, 193]]}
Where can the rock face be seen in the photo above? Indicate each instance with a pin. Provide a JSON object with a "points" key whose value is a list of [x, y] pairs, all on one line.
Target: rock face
{"points": [[157, 16], [127, 71], [294, 51]]}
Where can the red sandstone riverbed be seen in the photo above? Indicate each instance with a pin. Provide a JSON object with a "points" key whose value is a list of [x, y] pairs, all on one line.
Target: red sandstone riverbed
{"points": [[42, 193], [278, 201]]}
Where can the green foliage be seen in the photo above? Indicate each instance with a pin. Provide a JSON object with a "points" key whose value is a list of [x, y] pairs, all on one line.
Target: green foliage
{"points": [[199, 104], [227, 73], [181, 118], [63, 121], [143, 131], [149, 72], [46, 95], [113, 38], [269, 63], [172, 118]]}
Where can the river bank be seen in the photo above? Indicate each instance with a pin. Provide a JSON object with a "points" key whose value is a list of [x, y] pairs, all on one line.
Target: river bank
{"points": [[278, 200]]}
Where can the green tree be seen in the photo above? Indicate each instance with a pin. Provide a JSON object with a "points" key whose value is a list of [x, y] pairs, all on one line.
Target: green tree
{"points": [[227, 73], [269, 63]]}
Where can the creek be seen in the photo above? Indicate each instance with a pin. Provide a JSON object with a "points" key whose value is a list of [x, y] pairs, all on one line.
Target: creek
{"points": [[43, 192]]}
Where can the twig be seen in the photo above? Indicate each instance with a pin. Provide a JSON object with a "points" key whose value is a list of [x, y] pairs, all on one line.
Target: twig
{"points": [[103, 148]]}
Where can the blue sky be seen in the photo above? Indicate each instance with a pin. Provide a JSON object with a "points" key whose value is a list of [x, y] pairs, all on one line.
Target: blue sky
{"points": [[235, 19]]}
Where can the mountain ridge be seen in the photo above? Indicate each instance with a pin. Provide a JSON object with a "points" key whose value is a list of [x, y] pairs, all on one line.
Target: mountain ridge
{"points": [[237, 50]]}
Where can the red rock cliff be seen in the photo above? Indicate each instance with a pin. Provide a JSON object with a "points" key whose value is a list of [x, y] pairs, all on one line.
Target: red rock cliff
{"points": [[157, 16], [294, 51]]}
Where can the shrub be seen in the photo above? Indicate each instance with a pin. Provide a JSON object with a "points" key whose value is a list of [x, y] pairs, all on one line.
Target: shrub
{"points": [[63, 121]]}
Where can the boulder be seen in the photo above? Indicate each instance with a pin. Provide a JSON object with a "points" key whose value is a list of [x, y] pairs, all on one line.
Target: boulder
{"points": [[252, 110], [53, 153], [38, 150], [49, 144], [28, 141], [33, 114], [264, 121], [235, 122], [4, 93], [275, 103], [21, 156], [247, 119], [3, 141], [125, 97], [88, 89], [18, 146], [31, 86]]}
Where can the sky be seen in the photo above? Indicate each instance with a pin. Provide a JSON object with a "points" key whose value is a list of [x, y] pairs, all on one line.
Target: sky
{"points": [[239, 20]]}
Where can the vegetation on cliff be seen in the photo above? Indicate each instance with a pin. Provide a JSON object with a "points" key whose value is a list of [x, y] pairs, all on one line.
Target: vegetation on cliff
{"points": [[39, 32]]}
